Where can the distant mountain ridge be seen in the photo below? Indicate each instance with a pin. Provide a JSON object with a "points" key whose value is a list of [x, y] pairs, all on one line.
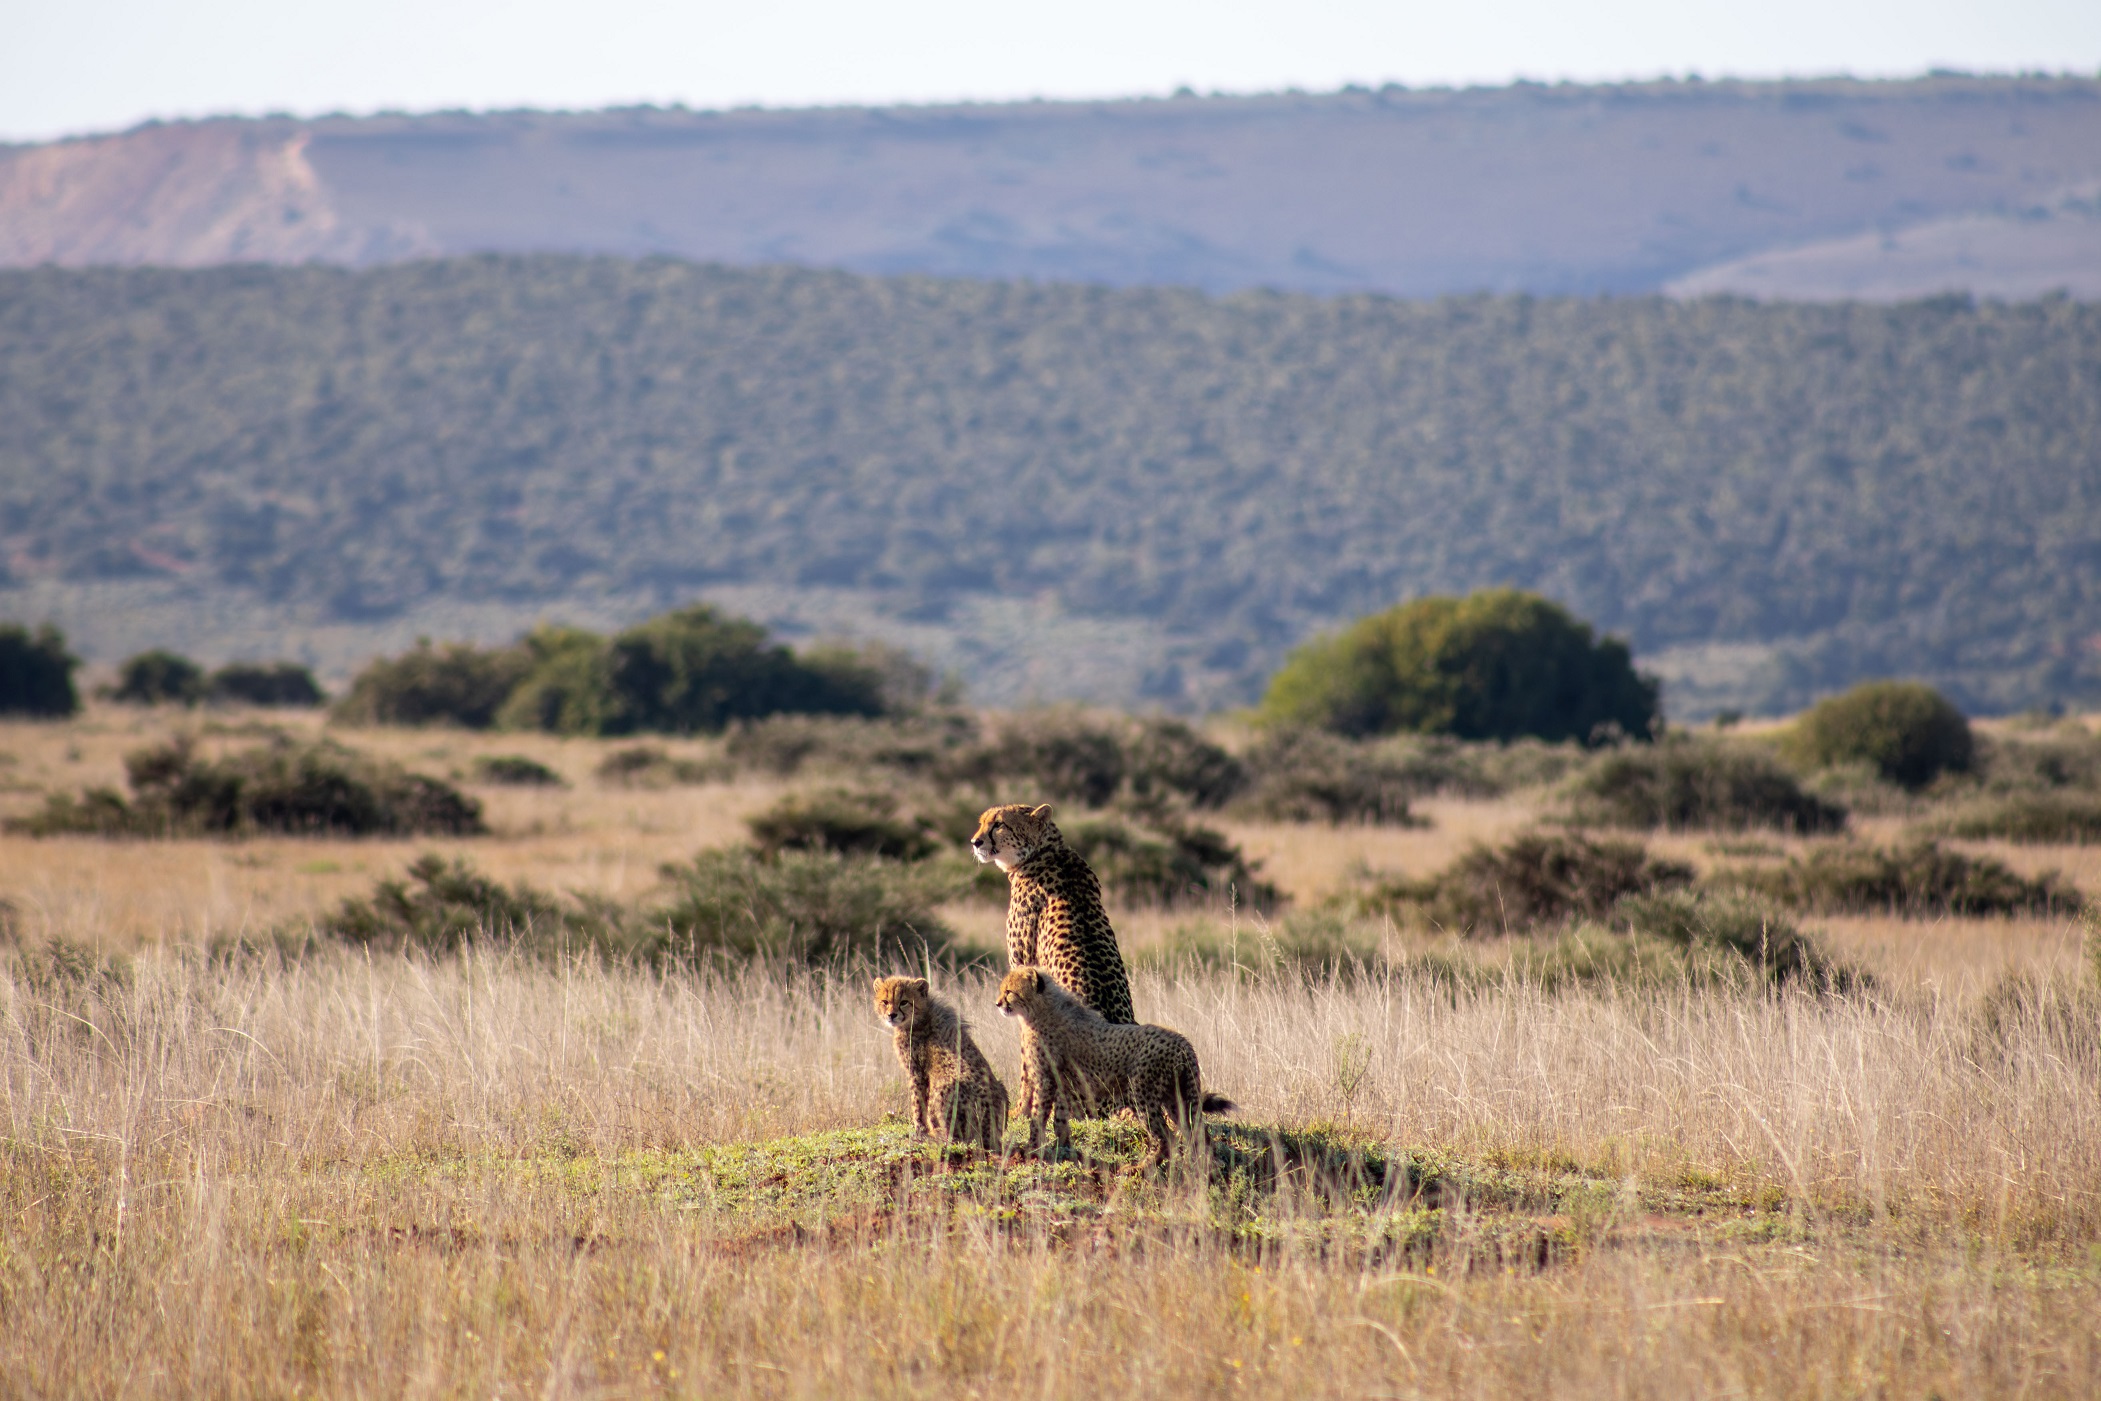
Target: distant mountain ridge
{"points": [[1138, 496], [1827, 189]]}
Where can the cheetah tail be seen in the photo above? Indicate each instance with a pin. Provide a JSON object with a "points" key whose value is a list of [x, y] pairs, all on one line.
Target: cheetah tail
{"points": [[1218, 1104]]}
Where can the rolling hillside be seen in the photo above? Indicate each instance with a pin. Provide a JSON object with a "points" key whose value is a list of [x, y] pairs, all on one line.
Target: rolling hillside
{"points": [[1802, 189], [1137, 496]]}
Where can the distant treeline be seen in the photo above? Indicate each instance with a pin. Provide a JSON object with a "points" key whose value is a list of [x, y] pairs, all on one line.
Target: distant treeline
{"points": [[690, 671], [1908, 489]]}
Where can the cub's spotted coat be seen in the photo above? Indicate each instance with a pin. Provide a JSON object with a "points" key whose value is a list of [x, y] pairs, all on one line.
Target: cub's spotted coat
{"points": [[953, 1085], [1087, 1064]]}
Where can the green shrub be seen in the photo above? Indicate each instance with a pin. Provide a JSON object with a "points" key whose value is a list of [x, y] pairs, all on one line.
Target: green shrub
{"points": [[159, 678], [1056, 756], [650, 766], [2065, 756], [306, 790], [692, 671], [515, 771], [1908, 731], [1533, 880], [1307, 943], [2045, 818], [1168, 863], [1697, 784], [1070, 757], [2025, 1012], [1493, 665], [1742, 923], [452, 685], [843, 823], [441, 906], [36, 672], [920, 743], [279, 685], [1307, 776], [1168, 759], [1919, 880], [800, 905]]}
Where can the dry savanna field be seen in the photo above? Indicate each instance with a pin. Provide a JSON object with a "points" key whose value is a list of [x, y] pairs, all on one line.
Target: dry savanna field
{"points": [[241, 1163]]}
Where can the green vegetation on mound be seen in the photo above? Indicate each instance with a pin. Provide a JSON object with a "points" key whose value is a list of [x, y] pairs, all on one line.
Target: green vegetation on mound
{"points": [[1868, 489], [1320, 1186]]}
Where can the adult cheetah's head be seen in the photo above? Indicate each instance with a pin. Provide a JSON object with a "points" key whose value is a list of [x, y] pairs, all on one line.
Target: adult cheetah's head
{"points": [[1010, 835], [1022, 986], [899, 1001]]}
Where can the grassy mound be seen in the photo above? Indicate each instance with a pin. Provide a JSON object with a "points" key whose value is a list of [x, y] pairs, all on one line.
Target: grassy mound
{"points": [[1321, 1186]]}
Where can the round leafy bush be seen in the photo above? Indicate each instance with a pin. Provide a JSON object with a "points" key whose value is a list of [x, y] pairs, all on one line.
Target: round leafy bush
{"points": [[451, 685], [1496, 664], [278, 684], [515, 771], [1909, 732], [159, 678]]}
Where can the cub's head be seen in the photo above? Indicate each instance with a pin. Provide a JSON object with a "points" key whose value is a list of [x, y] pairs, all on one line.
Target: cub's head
{"points": [[1022, 986], [1010, 835], [900, 1001]]}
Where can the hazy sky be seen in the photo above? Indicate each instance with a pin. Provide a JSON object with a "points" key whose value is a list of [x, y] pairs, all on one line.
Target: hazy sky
{"points": [[92, 65]]}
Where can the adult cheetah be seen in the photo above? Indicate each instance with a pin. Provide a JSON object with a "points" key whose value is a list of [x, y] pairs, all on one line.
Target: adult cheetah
{"points": [[1055, 919]]}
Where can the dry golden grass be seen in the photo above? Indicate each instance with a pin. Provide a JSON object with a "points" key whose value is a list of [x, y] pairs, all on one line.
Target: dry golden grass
{"points": [[389, 1176]]}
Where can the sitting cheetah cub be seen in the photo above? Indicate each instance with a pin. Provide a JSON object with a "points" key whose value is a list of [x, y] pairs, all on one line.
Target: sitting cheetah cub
{"points": [[1089, 1065], [952, 1082]]}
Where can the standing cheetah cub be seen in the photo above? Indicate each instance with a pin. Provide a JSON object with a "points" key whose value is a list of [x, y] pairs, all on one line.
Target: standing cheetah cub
{"points": [[952, 1082], [1089, 1065]]}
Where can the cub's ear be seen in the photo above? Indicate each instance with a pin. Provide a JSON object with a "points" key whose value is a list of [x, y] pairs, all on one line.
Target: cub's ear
{"points": [[1043, 812], [1035, 980], [917, 984]]}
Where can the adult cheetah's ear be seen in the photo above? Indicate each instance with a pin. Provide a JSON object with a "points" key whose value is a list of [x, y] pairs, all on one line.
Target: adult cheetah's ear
{"points": [[1042, 813]]}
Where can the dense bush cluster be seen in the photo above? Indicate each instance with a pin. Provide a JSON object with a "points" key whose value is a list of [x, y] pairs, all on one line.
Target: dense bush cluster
{"points": [[160, 677], [1684, 784], [1920, 879], [1534, 879], [2045, 818], [692, 671], [299, 789], [1498, 664], [36, 672]]}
